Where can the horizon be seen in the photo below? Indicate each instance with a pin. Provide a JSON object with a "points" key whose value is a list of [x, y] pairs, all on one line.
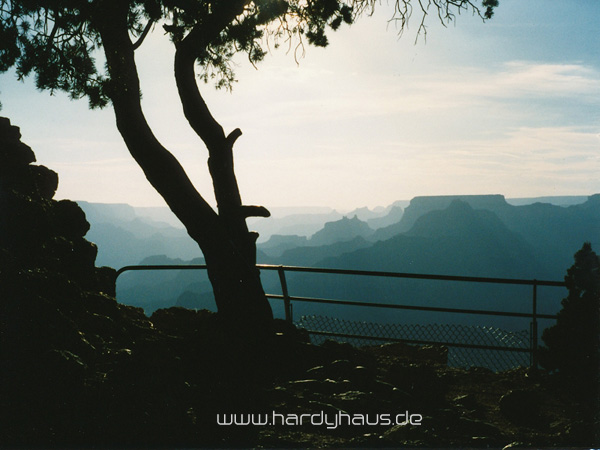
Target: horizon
{"points": [[511, 105], [557, 200]]}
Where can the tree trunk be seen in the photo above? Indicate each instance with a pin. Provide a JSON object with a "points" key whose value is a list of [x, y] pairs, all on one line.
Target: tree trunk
{"points": [[232, 270]]}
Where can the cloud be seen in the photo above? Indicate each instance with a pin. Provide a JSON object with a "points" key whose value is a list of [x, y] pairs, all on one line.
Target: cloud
{"points": [[516, 81], [531, 160], [557, 80], [511, 90]]}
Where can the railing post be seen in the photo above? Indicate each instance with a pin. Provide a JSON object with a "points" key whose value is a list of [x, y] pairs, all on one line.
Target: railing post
{"points": [[287, 305], [534, 329]]}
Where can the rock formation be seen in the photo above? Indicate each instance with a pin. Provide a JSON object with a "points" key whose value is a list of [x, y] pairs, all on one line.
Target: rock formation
{"points": [[38, 233]]}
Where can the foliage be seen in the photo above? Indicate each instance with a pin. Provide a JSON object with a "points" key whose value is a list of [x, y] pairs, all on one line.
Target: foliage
{"points": [[58, 40], [573, 344]]}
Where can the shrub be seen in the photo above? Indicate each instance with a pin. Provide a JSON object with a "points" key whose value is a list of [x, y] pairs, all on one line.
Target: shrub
{"points": [[573, 344]]}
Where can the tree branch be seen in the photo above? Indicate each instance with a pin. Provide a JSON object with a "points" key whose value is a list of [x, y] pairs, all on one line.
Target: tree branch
{"points": [[140, 40], [233, 136], [254, 211], [161, 168], [220, 146]]}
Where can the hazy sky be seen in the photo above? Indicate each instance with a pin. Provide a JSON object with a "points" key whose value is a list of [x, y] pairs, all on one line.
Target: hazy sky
{"points": [[510, 106]]}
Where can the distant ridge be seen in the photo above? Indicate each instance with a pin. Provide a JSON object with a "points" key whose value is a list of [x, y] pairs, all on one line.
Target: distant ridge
{"points": [[461, 220], [100, 212], [344, 229], [423, 204], [562, 200], [420, 204]]}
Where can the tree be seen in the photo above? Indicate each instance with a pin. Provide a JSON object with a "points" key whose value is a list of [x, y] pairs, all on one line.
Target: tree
{"points": [[58, 41], [573, 344]]}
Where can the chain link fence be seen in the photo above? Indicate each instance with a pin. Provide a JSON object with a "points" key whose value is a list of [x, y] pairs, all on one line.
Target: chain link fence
{"points": [[468, 346]]}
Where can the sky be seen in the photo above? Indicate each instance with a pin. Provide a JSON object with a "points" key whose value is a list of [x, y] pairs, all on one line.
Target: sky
{"points": [[510, 106]]}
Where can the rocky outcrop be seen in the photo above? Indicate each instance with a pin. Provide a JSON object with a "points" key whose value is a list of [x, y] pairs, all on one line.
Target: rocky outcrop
{"points": [[37, 232], [58, 315]]}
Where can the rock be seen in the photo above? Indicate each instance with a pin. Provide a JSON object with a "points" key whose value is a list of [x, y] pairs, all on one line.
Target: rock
{"points": [[330, 386], [521, 407], [477, 428], [480, 371], [13, 153], [106, 280], [436, 354], [382, 388], [339, 368], [69, 219], [44, 180], [353, 396], [342, 349], [289, 330], [317, 372], [35, 230], [406, 435], [467, 401], [24, 225], [515, 444], [421, 381], [361, 377], [181, 321], [328, 409], [309, 385], [432, 353], [326, 387], [8, 133], [64, 362], [580, 433], [358, 402]]}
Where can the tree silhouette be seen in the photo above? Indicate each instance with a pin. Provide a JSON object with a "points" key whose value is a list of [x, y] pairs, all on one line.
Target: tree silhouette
{"points": [[58, 40], [573, 344]]}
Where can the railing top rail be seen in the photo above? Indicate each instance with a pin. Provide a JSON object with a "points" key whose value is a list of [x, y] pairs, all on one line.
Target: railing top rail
{"points": [[160, 267], [372, 273], [484, 312]]}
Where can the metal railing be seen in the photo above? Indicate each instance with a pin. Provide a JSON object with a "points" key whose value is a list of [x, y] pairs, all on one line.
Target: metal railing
{"points": [[288, 299]]}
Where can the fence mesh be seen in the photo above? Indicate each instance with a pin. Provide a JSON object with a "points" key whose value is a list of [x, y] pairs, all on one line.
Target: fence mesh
{"points": [[369, 333]]}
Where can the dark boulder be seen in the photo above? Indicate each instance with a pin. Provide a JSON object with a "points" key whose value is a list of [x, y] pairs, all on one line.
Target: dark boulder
{"points": [[69, 219], [522, 407]]}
